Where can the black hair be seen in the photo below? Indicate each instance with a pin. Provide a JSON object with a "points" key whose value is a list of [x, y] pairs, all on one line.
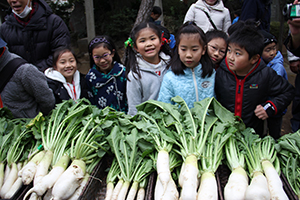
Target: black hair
{"points": [[106, 42], [212, 34], [176, 65], [240, 24], [248, 38], [59, 51], [237, 12], [156, 10], [130, 53]]}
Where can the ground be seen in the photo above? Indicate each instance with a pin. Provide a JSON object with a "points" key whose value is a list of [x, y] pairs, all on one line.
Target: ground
{"points": [[286, 127]]}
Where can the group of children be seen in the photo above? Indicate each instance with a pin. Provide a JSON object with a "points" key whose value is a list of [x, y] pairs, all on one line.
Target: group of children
{"points": [[236, 69]]}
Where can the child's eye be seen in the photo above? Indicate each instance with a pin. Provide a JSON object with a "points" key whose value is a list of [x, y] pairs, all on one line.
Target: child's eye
{"points": [[182, 49], [237, 53], [195, 49]]}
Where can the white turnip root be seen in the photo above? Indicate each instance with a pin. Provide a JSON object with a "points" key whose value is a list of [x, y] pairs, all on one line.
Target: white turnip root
{"points": [[123, 191], [2, 166], [12, 177], [43, 167], [14, 188], [274, 181], [189, 178], [258, 188], [163, 168], [208, 189], [171, 193], [49, 180], [48, 194], [109, 190], [79, 190], [133, 190], [237, 184], [28, 171], [117, 189], [69, 181], [141, 194], [6, 172]]}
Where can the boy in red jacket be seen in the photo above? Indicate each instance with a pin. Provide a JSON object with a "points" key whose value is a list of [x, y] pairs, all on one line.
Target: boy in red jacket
{"points": [[246, 86]]}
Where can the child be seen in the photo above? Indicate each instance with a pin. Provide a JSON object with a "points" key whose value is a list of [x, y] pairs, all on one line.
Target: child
{"points": [[106, 79], [192, 76], [155, 14], [23, 88], [245, 85], [216, 46], [273, 59], [236, 15], [63, 77], [147, 57]]}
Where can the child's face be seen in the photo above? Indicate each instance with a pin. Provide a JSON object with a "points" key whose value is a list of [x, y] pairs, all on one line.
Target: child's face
{"points": [[238, 59], [211, 2], [269, 52], [103, 59], [148, 45], [155, 16], [190, 50], [66, 65], [216, 49]]}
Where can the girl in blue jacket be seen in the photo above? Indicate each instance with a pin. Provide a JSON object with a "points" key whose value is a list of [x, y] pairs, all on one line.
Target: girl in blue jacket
{"points": [[192, 75]]}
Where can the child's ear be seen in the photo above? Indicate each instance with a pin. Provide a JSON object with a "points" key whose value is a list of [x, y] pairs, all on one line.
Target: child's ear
{"points": [[113, 53], [254, 59], [204, 50]]}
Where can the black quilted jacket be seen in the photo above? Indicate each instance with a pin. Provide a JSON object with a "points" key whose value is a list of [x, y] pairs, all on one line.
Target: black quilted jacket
{"points": [[36, 41]]}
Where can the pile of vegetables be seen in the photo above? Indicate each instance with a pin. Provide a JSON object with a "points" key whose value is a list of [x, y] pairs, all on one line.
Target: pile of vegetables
{"points": [[288, 148], [185, 147]]}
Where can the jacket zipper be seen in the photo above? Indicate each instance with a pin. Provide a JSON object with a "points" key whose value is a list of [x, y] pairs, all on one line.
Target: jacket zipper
{"points": [[196, 86]]}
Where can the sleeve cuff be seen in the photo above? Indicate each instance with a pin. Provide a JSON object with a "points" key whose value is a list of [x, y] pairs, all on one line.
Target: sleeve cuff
{"points": [[269, 109]]}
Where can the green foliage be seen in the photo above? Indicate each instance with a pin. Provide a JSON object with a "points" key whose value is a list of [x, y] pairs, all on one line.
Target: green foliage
{"points": [[62, 9], [275, 28]]}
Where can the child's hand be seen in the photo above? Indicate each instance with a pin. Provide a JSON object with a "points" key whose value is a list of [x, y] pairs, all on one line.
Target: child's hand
{"points": [[260, 112], [295, 66]]}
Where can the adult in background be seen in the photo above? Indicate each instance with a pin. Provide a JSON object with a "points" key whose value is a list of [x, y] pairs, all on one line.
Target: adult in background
{"points": [[209, 14], [25, 93], [32, 31], [259, 11]]}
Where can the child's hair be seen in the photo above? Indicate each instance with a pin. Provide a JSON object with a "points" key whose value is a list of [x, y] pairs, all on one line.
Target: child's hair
{"points": [[176, 65], [59, 51], [240, 24], [156, 10], [237, 12], [248, 38], [106, 42], [130, 53], [212, 34]]}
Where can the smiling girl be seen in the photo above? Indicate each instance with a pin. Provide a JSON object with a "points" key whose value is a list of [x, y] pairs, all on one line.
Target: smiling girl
{"points": [[63, 78], [106, 79], [147, 57], [192, 76]]}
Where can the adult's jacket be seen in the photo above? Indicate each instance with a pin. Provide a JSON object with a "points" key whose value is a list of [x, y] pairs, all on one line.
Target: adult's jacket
{"points": [[36, 41], [261, 86], [218, 13]]}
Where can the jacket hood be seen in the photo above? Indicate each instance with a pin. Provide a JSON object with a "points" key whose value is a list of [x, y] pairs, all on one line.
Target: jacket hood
{"points": [[57, 76], [277, 59], [201, 4], [6, 57], [145, 66]]}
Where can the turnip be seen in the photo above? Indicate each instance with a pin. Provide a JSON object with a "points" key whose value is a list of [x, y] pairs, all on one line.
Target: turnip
{"points": [[28, 171], [258, 188], [208, 189], [141, 192], [14, 188], [237, 183], [163, 168], [171, 192], [189, 178], [117, 189], [69, 181], [112, 175], [49, 180], [79, 190], [6, 172], [274, 182], [12, 177], [43, 167], [48, 194], [2, 166]]}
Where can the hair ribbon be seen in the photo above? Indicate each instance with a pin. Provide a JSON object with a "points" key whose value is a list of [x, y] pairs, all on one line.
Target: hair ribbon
{"points": [[128, 42]]}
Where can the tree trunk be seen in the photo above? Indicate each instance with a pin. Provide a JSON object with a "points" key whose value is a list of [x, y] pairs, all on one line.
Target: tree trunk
{"points": [[144, 11]]}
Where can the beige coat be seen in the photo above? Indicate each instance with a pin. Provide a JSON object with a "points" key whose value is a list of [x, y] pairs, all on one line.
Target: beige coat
{"points": [[219, 14]]}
